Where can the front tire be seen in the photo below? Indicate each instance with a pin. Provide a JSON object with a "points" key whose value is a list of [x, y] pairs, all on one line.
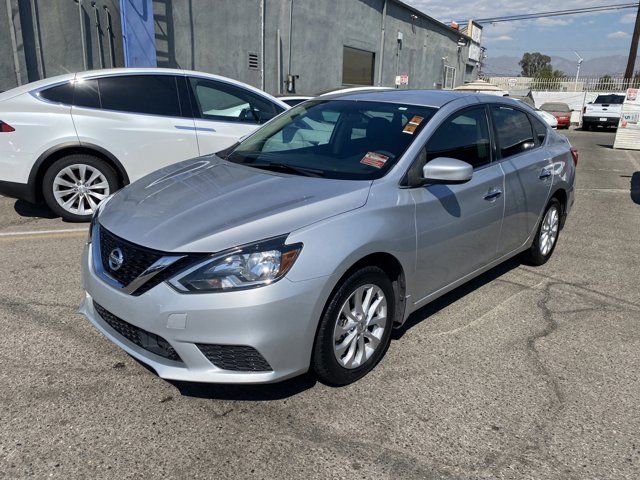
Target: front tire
{"points": [[547, 235], [355, 330], [74, 186]]}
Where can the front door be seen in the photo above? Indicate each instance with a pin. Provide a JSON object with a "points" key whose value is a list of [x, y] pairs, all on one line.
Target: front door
{"points": [[137, 118], [458, 226]]}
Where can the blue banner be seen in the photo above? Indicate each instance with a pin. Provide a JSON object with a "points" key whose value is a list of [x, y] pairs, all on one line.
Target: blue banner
{"points": [[138, 33]]}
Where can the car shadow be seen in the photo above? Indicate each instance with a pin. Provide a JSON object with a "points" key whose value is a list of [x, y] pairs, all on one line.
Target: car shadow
{"points": [[296, 385], [247, 393], [453, 296], [635, 188], [447, 199], [26, 209], [606, 145], [239, 392]]}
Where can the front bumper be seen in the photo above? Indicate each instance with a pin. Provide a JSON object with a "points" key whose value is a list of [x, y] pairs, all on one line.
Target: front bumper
{"points": [[279, 321]]}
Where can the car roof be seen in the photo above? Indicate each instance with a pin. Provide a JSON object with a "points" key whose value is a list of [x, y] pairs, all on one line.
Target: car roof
{"points": [[41, 84], [427, 98]]}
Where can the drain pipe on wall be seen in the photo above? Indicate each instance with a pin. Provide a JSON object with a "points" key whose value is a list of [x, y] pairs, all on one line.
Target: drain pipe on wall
{"points": [[262, 13], [98, 33], [112, 59], [382, 34], [14, 43], [278, 62], [36, 30], [82, 36]]}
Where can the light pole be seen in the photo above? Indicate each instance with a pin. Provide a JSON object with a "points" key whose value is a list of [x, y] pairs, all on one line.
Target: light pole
{"points": [[580, 60]]}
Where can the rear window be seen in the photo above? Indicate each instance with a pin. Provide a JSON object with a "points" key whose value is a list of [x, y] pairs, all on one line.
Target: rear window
{"points": [[610, 99], [540, 129], [514, 131], [555, 107], [86, 94], [59, 94], [147, 94]]}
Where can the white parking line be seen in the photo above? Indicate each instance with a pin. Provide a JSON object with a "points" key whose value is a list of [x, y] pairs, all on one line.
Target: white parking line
{"points": [[42, 232], [635, 162]]}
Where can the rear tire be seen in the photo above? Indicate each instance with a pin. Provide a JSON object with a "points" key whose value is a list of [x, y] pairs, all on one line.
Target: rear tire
{"points": [[546, 237], [355, 330], [74, 186]]}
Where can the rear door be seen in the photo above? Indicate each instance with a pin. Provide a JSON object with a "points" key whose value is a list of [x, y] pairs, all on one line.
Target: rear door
{"points": [[458, 226], [138, 118], [520, 139], [225, 112]]}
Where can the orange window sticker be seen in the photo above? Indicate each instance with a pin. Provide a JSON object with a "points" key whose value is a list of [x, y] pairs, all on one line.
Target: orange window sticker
{"points": [[413, 124], [374, 159]]}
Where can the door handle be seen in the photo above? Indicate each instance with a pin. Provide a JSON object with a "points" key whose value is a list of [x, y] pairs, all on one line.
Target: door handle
{"points": [[493, 193], [545, 174]]}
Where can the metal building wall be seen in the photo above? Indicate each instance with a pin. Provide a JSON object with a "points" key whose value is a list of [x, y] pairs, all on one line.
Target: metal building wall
{"points": [[59, 49], [218, 36]]}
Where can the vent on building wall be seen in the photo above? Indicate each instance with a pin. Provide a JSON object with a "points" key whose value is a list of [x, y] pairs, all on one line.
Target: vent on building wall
{"points": [[253, 61]]}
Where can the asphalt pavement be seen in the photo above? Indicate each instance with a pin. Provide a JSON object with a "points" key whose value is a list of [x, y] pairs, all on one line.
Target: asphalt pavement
{"points": [[526, 373]]}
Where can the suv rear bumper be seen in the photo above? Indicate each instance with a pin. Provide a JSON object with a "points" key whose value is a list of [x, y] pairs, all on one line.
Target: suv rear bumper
{"points": [[595, 121], [21, 191]]}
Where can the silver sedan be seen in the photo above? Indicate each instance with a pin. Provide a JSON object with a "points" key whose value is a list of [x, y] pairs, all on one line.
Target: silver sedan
{"points": [[304, 245]]}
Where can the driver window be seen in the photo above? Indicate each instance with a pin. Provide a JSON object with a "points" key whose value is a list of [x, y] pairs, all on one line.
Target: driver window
{"points": [[463, 136], [221, 101]]}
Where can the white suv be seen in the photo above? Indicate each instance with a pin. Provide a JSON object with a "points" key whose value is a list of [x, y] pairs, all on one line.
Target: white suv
{"points": [[72, 140]]}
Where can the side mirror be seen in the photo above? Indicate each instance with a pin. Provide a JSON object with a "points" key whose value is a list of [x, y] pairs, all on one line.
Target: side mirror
{"points": [[447, 170]]}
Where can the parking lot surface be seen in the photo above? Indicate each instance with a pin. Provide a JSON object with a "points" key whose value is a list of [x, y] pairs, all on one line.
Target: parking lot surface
{"points": [[524, 373]]}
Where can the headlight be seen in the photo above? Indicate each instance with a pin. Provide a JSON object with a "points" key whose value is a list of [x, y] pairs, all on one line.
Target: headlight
{"points": [[241, 268]]}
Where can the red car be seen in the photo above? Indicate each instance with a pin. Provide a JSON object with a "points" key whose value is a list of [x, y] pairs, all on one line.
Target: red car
{"points": [[561, 111]]}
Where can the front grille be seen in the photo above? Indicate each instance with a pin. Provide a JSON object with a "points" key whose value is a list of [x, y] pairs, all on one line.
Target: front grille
{"points": [[239, 358], [136, 259], [147, 340]]}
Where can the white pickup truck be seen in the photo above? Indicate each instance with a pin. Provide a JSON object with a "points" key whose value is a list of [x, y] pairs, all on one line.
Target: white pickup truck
{"points": [[605, 111]]}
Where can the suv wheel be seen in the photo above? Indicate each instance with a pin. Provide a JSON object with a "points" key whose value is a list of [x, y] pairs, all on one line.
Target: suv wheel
{"points": [[547, 235], [355, 329], [74, 186]]}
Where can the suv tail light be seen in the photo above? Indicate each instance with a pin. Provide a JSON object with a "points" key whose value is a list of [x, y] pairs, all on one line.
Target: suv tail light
{"points": [[6, 128], [574, 154]]}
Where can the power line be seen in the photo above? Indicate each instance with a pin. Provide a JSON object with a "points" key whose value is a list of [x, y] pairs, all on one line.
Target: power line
{"points": [[557, 13]]}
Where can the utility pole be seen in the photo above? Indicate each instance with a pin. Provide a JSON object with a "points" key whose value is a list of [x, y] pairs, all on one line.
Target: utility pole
{"points": [[633, 51]]}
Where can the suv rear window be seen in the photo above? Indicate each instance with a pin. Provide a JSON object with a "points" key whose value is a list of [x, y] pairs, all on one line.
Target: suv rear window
{"points": [[610, 99], [147, 94], [59, 94]]}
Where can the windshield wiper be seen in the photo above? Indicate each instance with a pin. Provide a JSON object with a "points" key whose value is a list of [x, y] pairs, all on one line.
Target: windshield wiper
{"points": [[283, 167]]}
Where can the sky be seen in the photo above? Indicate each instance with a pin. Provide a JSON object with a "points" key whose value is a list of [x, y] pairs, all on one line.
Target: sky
{"points": [[592, 35]]}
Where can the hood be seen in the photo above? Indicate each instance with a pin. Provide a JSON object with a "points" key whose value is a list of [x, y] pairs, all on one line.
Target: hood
{"points": [[207, 205]]}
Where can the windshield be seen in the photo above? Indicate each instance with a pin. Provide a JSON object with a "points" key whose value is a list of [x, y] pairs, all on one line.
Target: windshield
{"points": [[615, 99], [342, 139], [556, 107]]}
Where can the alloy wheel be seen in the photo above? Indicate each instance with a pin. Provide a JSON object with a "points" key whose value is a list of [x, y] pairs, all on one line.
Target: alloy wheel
{"points": [[549, 230], [360, 326], [79, 188]]}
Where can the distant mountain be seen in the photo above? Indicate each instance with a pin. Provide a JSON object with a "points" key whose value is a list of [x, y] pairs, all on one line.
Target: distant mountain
{"points": [[614, 65]]}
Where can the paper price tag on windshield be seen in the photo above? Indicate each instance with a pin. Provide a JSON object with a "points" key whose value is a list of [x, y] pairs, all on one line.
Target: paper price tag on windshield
{"points": [[412, 125], [374, 159]]}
